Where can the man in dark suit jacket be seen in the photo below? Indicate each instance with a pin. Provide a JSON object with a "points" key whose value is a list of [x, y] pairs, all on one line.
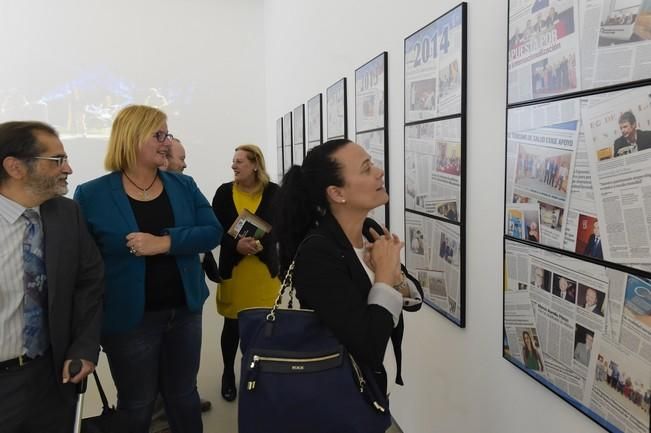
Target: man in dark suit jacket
{"points": [[632, 139], [593, 247], [51, 285]]}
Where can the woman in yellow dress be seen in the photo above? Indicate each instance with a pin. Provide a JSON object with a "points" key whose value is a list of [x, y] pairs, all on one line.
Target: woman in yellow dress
{"points": [[247, 266]]}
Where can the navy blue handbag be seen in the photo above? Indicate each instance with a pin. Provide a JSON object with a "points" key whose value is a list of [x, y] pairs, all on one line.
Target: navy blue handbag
{"points": [[298, 378]]}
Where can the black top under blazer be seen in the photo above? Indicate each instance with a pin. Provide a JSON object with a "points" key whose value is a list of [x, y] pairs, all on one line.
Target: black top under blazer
{"points": [[330, 279], [224, 207]]}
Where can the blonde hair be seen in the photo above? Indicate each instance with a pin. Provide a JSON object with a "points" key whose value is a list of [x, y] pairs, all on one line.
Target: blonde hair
{"points": [[132, 126], [254, 154]]}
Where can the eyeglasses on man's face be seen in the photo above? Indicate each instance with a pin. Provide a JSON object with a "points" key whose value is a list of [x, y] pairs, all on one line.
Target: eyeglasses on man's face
{"points": [[60, 160], [162, 136]]}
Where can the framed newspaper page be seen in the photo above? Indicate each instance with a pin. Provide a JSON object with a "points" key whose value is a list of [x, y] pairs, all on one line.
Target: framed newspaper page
{"points": [[435, 160], [577, 208], [287, 142], [433, 175], [279, 150], [298, 134], [370, 94], [566, 46], [314, 121], [434, 67], [371, 120], [337, 110], [581, 329]]}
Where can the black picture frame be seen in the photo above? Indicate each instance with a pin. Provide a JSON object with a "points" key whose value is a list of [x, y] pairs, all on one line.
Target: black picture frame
{"points": [[298, 134], [371, 119], [288, 160], [337, 110], [314, 121], [435, 82]]}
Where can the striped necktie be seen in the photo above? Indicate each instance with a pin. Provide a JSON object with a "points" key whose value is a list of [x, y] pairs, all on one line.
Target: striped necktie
{"points": [[35, 332]]}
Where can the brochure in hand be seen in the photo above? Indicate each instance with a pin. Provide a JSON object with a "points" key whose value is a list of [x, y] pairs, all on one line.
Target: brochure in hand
{"points": [[249, 225]]}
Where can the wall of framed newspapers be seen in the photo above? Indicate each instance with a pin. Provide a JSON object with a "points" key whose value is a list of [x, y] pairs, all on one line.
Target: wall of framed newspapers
{"points": [[287, 142], [371, 120], [298, 133], [435, 149], [337, 110], [577, 212], [314, 121]]}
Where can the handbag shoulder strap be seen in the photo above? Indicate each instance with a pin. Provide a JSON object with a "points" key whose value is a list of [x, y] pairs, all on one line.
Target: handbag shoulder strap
{"points": [[288, 281]]}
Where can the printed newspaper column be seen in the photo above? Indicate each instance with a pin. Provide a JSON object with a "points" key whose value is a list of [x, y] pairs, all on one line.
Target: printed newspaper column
{"points": [[618, 137]]}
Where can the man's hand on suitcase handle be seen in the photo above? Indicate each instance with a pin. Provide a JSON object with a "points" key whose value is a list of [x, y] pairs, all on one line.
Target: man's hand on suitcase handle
{"points": [[75, 370]]}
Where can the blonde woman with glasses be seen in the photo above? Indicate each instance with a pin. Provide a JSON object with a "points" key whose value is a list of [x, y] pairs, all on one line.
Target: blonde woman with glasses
{"points": [[150, 227]]}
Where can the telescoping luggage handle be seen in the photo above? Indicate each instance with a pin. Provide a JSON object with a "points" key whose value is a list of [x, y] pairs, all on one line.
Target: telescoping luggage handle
{"points": [[73, 369]]}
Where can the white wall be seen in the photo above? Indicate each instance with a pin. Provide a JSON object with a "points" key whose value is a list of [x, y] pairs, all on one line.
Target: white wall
{"points": [[456, 379], [206, 57]]}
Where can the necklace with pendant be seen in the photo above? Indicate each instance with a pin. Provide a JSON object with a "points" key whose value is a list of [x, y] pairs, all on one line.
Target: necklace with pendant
{"points": [[145, 196]]}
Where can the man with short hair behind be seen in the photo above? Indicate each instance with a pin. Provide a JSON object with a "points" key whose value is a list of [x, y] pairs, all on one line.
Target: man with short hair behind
{"points": [[632, 139], [176, 163], [51, 283]]}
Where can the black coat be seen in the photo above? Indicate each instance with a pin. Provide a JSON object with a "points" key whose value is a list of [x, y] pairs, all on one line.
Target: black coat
{"points": [[226, 212], [330, 279]]}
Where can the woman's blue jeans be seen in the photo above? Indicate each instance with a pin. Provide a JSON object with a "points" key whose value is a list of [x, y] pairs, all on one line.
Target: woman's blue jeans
{"points": [[161, 355]]}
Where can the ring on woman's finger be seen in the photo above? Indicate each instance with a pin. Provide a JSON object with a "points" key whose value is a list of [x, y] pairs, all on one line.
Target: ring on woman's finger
{"points": [[132, 250]]}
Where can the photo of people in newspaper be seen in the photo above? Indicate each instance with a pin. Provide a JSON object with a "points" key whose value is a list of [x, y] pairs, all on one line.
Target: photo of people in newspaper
{"points": [[433, 68], [543, 49], [621, 387], [588, 237], [433, 253], [336, 109], [433, 168], [540, 278], [583, 339], [369, 94], [591, 299], [625, 22], [523, 222]]}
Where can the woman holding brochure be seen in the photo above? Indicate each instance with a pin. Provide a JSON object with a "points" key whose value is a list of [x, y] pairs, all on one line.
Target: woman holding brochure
{"points": [[248, 265]]}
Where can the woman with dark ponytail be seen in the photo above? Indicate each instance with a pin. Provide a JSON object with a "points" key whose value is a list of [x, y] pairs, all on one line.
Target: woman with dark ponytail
{"points": [[347, 267]]}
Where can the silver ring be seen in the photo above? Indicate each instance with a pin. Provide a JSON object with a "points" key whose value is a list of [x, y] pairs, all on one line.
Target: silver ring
{"points": [[132, 250]]}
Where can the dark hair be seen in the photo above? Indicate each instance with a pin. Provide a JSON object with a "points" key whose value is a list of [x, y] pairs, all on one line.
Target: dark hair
{"points": [[18, 139], [627, 116], [302, 199]]}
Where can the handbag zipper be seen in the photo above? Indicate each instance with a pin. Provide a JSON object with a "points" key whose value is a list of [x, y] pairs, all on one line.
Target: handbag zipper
{"points": [[255, 364]]}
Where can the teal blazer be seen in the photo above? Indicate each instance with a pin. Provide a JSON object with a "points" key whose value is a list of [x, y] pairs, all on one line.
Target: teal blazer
{"points": [[110, 218]]}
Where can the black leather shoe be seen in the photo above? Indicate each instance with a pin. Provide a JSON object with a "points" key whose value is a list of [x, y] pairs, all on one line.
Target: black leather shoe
{"points": [[229, 391]]}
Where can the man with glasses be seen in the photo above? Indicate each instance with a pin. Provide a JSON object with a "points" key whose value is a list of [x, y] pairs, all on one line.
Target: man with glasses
{"points": [[50, 284]]}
